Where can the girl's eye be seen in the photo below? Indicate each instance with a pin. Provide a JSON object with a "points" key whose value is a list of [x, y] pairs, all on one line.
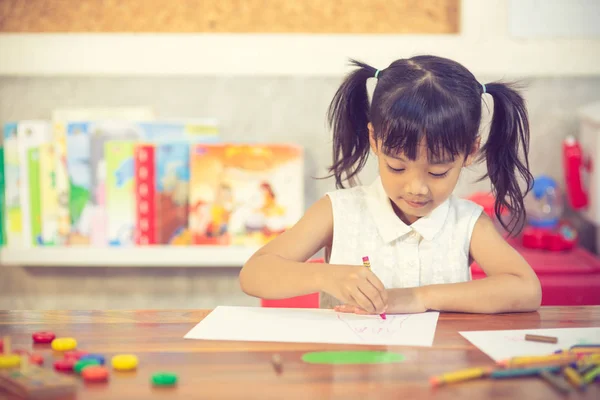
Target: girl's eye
{"points": [[395, 169], [439, 175]]}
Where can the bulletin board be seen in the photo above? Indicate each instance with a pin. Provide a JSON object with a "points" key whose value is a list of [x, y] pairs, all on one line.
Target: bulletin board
{"points": [[231, 16]]}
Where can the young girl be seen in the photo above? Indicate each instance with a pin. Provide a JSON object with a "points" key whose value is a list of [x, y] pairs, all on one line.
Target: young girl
{"points": [[423, 127]]}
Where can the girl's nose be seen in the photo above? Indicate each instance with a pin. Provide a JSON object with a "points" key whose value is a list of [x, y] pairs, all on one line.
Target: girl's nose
{"points": [[417, 187]]}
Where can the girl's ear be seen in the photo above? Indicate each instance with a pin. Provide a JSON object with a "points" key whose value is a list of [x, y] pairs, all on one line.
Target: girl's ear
{"points": [[372, 140], [473, 153]]}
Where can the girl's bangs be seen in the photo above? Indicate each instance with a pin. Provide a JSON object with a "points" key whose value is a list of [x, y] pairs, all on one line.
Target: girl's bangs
{"points": [[429, 114]]}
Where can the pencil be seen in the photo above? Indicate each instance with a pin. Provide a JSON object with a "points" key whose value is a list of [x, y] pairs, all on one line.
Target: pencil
{"points": [[367, 264], [540, 338]]}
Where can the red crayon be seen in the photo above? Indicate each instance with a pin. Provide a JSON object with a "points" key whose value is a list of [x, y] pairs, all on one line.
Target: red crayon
{"points": [[367, 264]]}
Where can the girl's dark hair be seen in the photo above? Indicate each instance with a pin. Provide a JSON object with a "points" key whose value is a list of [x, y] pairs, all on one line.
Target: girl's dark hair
{"points": [[440, 100]]}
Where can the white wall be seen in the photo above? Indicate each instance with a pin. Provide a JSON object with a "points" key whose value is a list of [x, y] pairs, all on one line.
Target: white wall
{"points": [[483, 45]]}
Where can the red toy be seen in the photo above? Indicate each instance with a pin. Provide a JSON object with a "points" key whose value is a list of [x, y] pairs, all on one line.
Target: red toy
{"points": [[561, 239], [546, 230], [94, 373], [43, 337], [65, 365], [36, 359]]}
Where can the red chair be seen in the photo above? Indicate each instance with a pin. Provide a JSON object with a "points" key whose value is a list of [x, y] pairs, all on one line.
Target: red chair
{"points": [[307, 301]]}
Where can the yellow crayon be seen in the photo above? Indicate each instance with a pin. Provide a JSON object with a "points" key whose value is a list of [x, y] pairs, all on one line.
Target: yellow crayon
{"points": [[459, 376], [554, 359], [573, 377]]}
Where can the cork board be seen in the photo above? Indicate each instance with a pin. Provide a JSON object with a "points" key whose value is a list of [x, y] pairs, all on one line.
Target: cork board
{"points": [[230, 16]]}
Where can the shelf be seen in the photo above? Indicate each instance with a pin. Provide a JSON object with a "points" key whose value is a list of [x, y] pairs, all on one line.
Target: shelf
{"points": [[155, 256], [283, 55]]}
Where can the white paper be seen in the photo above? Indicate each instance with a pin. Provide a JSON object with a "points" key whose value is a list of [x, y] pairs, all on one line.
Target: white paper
{"points": [[501, 345], [315, 326]]}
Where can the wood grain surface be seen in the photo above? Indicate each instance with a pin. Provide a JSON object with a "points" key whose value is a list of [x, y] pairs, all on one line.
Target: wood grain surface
{"points": [[242, 370]]}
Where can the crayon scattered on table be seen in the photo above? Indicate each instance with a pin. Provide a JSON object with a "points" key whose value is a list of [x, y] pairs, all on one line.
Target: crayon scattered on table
{"points": [[585, 350], [556, 381], [552, 359], [573, 377], [518, 372], [540, 338], [590, 359], [591, 375], [459, 376], [585, 345], [585, 368]]}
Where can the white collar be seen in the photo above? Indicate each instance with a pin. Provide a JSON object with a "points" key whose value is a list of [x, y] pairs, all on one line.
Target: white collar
{"points": [[391, 227]]}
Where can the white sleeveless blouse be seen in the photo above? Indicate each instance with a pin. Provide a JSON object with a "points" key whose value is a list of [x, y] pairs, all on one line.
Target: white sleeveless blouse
{"points": [[433, 250]]}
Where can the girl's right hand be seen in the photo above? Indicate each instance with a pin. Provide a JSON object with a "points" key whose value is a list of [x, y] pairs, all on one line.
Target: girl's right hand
{"points": [[356, 285]]}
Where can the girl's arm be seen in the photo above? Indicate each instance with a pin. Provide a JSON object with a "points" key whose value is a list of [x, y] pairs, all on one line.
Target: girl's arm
{"points": [[510, 286], [279, 269]]}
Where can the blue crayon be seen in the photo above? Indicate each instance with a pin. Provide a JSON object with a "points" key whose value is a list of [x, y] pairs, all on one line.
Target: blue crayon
{"points": [[516, 372], [585, 345]]}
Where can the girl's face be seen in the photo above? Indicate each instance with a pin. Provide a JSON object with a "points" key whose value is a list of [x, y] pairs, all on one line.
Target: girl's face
{"points": [[417, 187]]}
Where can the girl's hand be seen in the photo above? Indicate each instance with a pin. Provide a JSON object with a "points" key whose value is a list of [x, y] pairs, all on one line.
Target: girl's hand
{"points": [[350, 309], [402, 301], [357, 286]]}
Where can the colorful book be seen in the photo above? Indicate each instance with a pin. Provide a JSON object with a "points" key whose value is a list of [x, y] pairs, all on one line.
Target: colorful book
{"points": [[2, 202], [102, 132], [163, 211], [35, 201], [31, 135], [244, 194], [145, 194], [120, 195], [172, 193], [49, 194], [60, 120], [12, 181], [87, 171], [78, 167]]}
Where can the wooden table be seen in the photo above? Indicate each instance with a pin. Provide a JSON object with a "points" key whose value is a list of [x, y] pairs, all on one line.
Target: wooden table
{"points": [[216, 370]]}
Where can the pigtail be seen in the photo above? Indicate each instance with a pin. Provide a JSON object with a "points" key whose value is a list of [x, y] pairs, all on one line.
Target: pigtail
{"points": [[348, 116], [509, 133]]}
